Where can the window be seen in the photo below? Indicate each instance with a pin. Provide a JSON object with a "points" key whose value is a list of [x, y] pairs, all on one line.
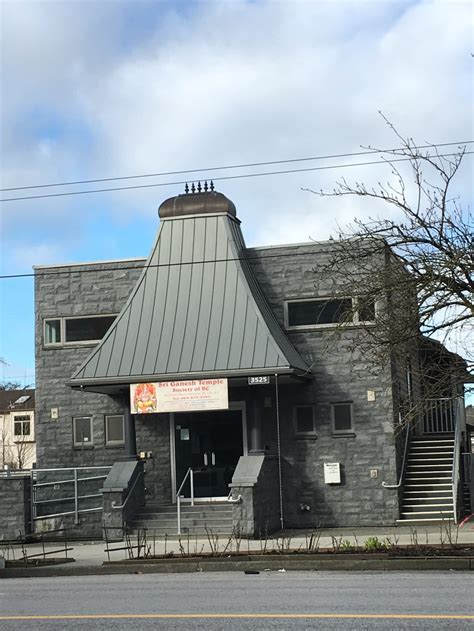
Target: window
{"points": [[52, 331], [328, 311], [76, 330], [22, 426], [114, 430], [82, 431], [342, 422], [303, 416]]}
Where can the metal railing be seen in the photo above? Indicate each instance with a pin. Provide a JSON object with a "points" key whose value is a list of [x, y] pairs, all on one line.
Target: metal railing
{"points": [[439, 415], [455, 475], [129, 493], [402, 468], [74, 497], [190, 474]]}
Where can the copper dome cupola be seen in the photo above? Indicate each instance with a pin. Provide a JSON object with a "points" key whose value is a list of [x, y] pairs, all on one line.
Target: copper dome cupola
{"points": [[198, 199]]}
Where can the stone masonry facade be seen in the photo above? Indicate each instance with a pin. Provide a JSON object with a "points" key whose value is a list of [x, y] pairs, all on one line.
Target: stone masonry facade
{"points": [[341, 374]]}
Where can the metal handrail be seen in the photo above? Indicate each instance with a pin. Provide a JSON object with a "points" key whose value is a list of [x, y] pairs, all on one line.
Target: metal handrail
{"points": [[189, 473], [455, 470], [75, 480], [119, 506], [402, 470]]}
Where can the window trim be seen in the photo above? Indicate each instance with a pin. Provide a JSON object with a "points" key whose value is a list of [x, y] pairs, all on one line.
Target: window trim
{"points": [[298, 433], [356, 321], [342, 432], [83, 444], [21, 418], [114, 443], [62, 330]]}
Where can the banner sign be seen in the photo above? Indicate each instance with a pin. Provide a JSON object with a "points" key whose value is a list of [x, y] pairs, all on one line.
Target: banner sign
{"points": [[179, 396]]}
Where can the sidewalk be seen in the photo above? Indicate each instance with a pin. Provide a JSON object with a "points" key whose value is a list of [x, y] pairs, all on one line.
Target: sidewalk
{"points": [[90, 556]]}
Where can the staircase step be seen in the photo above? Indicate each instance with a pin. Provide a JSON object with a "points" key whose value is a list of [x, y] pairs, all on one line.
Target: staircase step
{"points": [[430, 507], [428, 514]]}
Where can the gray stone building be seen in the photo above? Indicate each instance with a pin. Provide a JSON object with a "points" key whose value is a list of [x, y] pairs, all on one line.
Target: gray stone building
{"points": [[308, 430]]}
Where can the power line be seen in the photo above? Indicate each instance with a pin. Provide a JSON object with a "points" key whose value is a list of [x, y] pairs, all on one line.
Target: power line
{"points": [[231, 166], [139, 267], [222, 178]]}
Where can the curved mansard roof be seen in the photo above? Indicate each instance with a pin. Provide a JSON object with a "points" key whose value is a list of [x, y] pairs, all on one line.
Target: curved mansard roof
{"points": [[196, 310]]}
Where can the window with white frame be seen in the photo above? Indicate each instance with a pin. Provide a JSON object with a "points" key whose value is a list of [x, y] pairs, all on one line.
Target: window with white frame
{"points": [[342, 417], [320, 312], [22, 426], [304, 421], [82, 431], [76, 330], [114, 430]]}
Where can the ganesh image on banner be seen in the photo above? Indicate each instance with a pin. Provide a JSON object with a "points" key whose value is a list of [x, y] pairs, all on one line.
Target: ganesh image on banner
{"points": [[143, 398]]}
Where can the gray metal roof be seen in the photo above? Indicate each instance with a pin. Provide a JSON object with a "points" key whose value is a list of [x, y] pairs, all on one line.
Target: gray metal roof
{"points": [[195, 312]]}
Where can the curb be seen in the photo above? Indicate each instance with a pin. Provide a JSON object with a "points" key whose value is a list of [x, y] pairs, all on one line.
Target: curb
{"points": [[247, 563]]}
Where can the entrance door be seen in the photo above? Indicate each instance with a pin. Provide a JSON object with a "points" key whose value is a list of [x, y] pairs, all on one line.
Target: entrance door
{"points": [[211, 444]]}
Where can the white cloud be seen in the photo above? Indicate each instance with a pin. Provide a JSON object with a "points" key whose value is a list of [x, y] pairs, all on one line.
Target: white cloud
{"points": [[95, 89]]}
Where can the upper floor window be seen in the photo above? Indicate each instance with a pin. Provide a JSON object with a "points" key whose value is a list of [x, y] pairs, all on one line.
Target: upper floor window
{"points": [[328, 311], [22, 426], [74, 330]]}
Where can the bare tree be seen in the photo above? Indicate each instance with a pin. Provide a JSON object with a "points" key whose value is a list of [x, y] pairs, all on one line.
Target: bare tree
{"points": [[418, 268]]}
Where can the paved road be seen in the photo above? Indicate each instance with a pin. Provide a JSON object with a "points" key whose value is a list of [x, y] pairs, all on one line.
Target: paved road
{"points": [[270, 600]]}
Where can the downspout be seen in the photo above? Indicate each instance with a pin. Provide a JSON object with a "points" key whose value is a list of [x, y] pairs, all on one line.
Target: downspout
{"points": [[280, 486]]}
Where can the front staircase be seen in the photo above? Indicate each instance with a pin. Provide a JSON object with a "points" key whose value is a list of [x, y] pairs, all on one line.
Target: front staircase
{"points": [[428, 489], [201, 519]]}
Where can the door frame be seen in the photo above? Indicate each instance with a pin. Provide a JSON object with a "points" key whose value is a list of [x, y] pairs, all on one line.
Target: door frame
{"points": [[233, 405]]}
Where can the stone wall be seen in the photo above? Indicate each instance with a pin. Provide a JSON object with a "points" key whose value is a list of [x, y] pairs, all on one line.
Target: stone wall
{"points": [[15, 508], [342, 373], [93, 289]]}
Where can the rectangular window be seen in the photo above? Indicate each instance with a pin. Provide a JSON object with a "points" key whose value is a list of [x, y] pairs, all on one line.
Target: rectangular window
{"points": [[22, 426], [76, 330], [82, 431], [328, 311], [87, 329], [114, 430], [52, 331], [342, 422], [308, 312], [303, 416]]}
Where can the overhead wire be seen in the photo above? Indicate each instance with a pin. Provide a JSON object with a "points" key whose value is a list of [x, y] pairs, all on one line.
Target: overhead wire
{"points": [[226, 177], [368, 151]]}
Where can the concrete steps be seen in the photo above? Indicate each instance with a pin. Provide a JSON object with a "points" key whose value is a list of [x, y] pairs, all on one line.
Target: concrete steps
{"points": [[212, 517], [427, 491]]}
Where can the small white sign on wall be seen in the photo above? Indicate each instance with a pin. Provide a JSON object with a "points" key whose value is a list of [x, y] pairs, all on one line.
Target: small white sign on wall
{"points": [[332, 473]]}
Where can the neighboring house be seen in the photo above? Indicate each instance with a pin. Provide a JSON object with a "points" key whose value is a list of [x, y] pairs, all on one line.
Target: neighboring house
{"points": [[17, 429], [303, 426]]}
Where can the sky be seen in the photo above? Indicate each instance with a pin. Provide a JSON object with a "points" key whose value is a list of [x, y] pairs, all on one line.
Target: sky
{"points": [[92, 90]]}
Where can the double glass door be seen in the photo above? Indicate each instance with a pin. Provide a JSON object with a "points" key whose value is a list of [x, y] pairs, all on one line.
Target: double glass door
{"points": [[211, 444]]}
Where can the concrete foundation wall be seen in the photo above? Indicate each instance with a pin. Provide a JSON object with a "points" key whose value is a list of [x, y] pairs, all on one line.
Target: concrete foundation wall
{"points": [[15, 508]]}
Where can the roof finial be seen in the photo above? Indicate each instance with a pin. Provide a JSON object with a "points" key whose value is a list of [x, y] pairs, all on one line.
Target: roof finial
{"points": [[205, 186], [199, 186], [186, 188], [193, 188], [212, 185]]}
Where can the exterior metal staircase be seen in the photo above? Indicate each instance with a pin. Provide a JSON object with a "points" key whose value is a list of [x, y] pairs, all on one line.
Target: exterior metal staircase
{"points": [[200, 519], [428, 488]]}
